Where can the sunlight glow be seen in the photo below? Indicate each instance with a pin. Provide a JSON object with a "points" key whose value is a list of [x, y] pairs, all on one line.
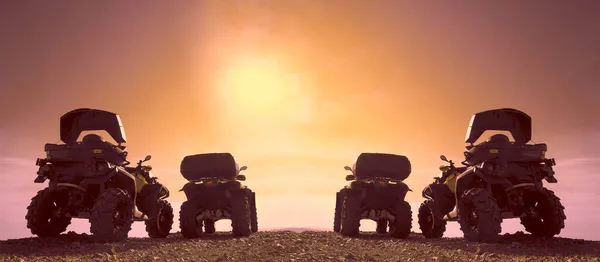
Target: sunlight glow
{"points": [[257, 86]]}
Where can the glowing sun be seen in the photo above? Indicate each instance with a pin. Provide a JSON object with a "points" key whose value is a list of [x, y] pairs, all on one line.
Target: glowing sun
{"points": [[256, 85]]}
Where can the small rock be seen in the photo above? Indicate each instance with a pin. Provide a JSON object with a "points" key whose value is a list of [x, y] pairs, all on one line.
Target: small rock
{"points": [[479, 251], [106, 256], [280, 245], [76, 244]]}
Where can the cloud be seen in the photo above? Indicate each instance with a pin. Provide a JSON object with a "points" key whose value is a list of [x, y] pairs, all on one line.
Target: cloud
{"points": [[16, 161], [578, 161]]}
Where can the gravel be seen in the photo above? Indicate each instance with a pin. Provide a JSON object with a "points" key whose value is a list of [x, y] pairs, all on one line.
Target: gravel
{"points": [[304, 246]]}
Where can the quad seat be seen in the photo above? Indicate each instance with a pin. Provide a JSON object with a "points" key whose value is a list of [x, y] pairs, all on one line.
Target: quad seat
{"points": [[497, 149], [201, 166], [86, 152], [371, 165]]}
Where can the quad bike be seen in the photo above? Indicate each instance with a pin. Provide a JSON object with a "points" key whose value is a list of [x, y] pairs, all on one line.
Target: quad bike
{"points": [[214, 192], [90, 179], [377, 193], [500, 180]]}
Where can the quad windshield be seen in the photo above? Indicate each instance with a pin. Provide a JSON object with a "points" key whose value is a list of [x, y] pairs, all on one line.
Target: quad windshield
{"points": [[73, 123], [506, 119]]}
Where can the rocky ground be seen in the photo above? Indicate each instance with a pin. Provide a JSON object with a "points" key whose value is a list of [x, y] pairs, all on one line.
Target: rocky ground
{"points": [[305, 246]]}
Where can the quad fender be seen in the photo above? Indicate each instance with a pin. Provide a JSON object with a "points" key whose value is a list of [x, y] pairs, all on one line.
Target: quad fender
{"points": [[148, 198], [474, 177], [236, 192], [443, 198], [233, 188], [249, 192], [465, 181], [188, 190], [120, 179], [355, 190], [126, 181], [403, 190]]}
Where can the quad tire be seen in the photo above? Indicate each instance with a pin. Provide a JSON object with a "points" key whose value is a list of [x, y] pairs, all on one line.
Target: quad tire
{"points": [[240, 216], [112, 215], [190, 228], [337, 219], [209, 226], [430, 225], [479, 216], [550, 218], [162, 223], [351, 215], [382, 226], [253, 214], [42, 218], [400, 227]]}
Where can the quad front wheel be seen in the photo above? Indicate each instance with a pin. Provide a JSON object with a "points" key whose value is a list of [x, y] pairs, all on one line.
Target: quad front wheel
{"points": [[479, 216], [431, 226], [161, 224], [112, 215]]}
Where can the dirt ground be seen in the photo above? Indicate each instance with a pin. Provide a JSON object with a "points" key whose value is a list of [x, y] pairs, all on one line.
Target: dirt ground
{"points": [[304, 246]]}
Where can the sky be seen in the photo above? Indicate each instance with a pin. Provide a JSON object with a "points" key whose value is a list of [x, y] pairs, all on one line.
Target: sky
{"points": [[296, 90]]}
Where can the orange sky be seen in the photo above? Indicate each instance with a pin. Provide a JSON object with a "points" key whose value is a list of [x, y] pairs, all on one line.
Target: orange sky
{"points": [[296, 91]]}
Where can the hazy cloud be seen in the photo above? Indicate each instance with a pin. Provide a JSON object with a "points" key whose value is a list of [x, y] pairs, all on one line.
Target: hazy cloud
{"points": [[579, 161], [16, 161]]}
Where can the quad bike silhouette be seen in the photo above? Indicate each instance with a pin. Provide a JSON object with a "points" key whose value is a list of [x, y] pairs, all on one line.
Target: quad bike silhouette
{"points": [[377, 193], [214, 192], [500, 179], [91, 179]]}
